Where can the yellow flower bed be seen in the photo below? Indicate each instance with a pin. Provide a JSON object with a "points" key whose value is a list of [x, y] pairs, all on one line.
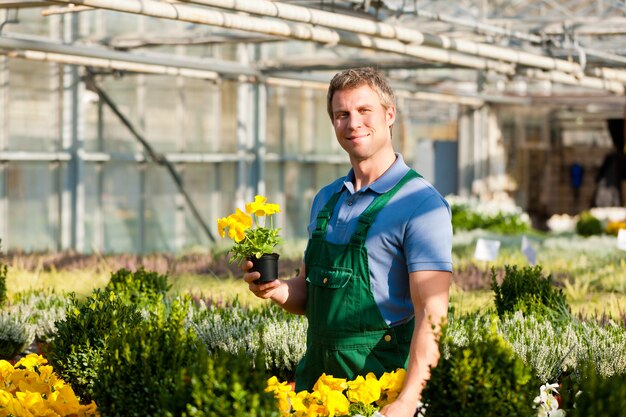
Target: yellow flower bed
{"points": [[334, 397], [31, 389]]}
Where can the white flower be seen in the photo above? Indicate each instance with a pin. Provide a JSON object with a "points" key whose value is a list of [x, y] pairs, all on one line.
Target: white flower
{"points": [[548, 404]]}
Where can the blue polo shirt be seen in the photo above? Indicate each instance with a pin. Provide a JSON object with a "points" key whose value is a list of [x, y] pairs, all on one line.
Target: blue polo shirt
{"points": [[413, 232]]}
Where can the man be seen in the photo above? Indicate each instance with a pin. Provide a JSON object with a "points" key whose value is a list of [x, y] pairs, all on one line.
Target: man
{"points": [[376, 274]]}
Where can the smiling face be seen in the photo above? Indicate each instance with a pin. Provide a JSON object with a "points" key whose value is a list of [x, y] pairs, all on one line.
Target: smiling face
{"points": [[362, 125]]}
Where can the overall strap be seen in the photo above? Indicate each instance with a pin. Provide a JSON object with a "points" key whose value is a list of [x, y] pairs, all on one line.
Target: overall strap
{"points": [[367, 218], [323, 217]]}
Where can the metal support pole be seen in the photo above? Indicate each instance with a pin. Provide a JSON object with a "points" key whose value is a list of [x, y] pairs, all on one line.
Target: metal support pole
{"points": [[244, 128], [260, 129], [73, 195], [4, 134]]}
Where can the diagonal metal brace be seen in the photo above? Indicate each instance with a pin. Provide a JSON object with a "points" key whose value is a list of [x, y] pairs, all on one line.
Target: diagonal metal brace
{"points": [[157, 157]]}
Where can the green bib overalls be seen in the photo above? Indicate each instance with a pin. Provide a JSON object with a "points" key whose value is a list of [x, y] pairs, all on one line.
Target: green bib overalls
{"points": [[347, 335]]}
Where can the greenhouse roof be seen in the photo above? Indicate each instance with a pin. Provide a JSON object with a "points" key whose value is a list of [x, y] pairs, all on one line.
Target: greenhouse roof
{"points": [[477, 51]]}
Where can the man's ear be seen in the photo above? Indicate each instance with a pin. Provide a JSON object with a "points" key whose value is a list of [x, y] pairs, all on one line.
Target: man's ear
{"points": [[390, 115]]}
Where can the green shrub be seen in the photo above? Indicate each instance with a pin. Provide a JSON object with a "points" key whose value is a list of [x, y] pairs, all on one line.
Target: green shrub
{"points": [[466, 218], [589, 225], [593, 394], [140, 286], [140, 362], [82, 337], [527, 290], [483, 378], [159, 368], [221, 384]]}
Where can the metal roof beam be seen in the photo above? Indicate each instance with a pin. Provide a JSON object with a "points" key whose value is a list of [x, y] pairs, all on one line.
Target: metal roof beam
{"points": [[176, 11], [38, 49]]}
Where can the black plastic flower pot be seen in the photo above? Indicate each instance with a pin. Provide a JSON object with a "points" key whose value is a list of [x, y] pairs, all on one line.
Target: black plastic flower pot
{"points": [[267, 266]]}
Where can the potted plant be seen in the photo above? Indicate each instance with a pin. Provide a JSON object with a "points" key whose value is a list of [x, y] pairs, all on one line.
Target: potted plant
{"points": [[255, 236]]}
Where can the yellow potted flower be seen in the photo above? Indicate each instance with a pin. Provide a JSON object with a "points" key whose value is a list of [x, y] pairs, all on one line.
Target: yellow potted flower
{"points": [[334, 397], [254, 235]]}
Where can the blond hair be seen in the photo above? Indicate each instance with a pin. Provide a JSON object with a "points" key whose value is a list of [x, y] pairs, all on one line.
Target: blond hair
{"points": [[356, 77]]}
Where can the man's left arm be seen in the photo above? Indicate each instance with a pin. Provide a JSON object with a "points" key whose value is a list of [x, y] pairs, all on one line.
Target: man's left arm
{"points": [[430, 293]]}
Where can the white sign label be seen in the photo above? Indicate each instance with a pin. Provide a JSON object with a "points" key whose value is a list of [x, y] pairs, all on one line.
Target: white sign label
{"points": [[621, 239], [486, 249], [529, 251]]}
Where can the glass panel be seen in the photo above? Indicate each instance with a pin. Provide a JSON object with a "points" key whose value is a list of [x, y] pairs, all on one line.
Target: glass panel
{"points": [[203, 185], [323, 133], [228, 139], [92, 182], [298, 198], [201, 127], [293, 128], [274, 131], [120, 199], [161, 210], [32, 206], [32, 110], [162, 116]]}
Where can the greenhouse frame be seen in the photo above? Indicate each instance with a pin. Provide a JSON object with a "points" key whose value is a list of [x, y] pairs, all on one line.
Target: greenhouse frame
{"points": [[132, 125]]}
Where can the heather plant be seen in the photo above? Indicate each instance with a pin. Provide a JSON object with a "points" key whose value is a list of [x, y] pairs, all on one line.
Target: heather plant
{"points": [[15, 333], [552, 348], [42, 308], [269, 331]]}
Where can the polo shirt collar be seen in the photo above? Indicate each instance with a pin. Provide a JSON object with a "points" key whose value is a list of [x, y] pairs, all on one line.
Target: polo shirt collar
{"points": [[386, 181]]}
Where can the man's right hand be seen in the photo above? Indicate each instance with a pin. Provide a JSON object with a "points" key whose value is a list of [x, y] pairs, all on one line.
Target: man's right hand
{"points": [[265, 290], [290, 294]]}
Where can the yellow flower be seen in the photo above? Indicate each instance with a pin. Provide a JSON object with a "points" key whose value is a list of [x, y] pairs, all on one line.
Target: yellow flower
{"points": [[306, 404], [257, 206], [328, 382], [241, 218], [5, 399], [252, 238], [33, 402], [364, 390], [6, 369], [30, 361], [222, 224], [281, 391], [391, 383], [272, 209], [336, 404]]}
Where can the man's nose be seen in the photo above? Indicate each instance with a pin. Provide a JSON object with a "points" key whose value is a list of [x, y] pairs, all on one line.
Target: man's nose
{"points": [[355, 121]]}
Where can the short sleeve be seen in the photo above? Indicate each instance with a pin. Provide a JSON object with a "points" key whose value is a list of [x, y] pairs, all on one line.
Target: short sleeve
{"points": [[428, 238]]}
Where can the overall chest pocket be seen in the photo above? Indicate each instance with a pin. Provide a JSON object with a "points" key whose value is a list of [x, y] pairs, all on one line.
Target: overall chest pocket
{"points": [[332, 298], [329, 277]]}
